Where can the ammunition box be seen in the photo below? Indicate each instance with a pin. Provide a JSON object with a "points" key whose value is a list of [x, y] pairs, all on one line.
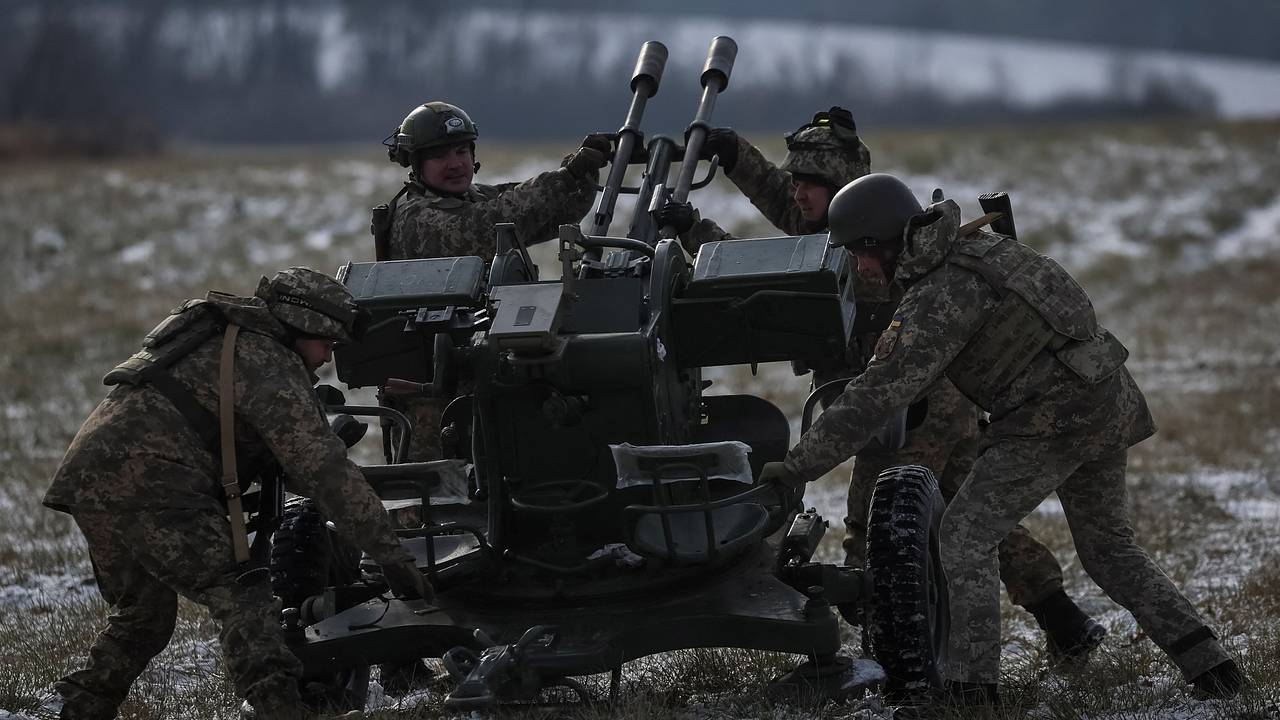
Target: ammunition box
{"points": [[766, 300], [392, 291]]}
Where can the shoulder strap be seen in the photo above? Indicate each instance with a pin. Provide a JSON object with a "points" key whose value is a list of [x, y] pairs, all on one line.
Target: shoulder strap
{"points": [[226, 416], [972, 225], [382, 235]]}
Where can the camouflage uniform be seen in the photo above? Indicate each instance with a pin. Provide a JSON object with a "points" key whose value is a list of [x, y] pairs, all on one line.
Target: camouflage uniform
{"points": [[144, 489], [1062, 420], [429, 224], [946, 442]]}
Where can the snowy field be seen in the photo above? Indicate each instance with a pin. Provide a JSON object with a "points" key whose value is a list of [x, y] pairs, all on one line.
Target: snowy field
{"points": [[1174, 230]]}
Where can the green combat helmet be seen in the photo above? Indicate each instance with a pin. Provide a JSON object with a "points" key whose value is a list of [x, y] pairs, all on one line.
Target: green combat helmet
{"points": [[828, 148], [872, 213], [312, 303], [430, 125]]}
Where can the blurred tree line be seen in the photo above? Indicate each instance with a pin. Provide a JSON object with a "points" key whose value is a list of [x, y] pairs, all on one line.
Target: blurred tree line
{"points": [[106, 76]]}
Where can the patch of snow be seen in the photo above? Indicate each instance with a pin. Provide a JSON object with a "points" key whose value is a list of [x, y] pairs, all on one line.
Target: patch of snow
{"points": [[318, 239], [1256, 236], [47, 240], [138, 252], [45, 590]]}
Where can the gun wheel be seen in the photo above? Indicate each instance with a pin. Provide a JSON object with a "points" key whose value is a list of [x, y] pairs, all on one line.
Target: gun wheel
{"points": [[908, 618]]}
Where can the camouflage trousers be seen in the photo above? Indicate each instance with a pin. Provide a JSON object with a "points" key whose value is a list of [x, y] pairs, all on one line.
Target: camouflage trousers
{"points": [[142, 561], [946, 443], [1008, 481]]}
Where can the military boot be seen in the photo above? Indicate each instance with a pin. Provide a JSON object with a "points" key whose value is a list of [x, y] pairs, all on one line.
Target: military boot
{"points": [[1071, 634], [1221, 681]]}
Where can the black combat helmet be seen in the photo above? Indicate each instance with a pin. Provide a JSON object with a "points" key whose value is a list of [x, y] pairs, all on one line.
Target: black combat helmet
{"points": [[313, 303], [430, 125], [871, 213]]}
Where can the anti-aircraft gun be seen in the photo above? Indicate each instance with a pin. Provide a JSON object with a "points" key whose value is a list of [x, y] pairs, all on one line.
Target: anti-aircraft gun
{"points": [[614, 509]]}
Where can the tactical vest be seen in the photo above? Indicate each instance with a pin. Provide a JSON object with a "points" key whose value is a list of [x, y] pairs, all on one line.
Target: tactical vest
{"points": [[1041, 308], [186, 328]]}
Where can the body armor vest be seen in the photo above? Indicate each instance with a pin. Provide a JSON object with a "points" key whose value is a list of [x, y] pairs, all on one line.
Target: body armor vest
{"points": [[187, 327], [1041, 308]]}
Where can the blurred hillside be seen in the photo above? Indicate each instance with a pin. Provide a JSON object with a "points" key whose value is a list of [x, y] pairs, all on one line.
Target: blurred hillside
{"points": [[122, 75]]}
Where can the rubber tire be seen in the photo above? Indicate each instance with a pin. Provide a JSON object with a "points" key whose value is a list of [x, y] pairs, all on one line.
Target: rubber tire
{"points": [[306, 557], [908, 616]]}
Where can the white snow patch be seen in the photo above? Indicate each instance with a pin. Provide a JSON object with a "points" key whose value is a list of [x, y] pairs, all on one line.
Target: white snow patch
{"points": [[46, 240], [45, 590], [138, 252], [1257, 236]]}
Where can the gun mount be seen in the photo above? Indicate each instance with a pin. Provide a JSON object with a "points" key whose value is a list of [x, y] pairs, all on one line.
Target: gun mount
{"points": [[614, 510]]}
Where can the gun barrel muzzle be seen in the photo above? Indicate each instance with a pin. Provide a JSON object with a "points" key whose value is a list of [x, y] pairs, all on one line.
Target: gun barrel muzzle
{"points": [[649, 67], [719, 61]]}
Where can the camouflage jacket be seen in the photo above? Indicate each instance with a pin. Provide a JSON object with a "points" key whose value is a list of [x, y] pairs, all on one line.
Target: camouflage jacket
{"points": [[137, 451], [944, 307], [768, 187], [429, 224]]}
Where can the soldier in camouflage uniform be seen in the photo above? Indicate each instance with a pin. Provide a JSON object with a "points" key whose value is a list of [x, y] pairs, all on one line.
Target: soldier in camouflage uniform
{"points": [[440, 212], [141, 480], [823, 156], [1017, 336]]}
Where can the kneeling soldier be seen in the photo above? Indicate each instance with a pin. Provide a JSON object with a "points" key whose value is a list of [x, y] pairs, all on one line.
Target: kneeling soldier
{"points": [[141, 480]]}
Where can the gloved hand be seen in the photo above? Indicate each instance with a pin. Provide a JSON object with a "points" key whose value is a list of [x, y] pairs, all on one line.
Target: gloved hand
{"points": [[585, 163], [778, 474], [678, 215], [721, 141], [600, 142], [406, 581]]}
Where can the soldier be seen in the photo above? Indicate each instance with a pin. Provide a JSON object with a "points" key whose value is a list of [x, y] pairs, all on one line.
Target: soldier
{"points": [[1017, 336], [141, 480], [823, 156], [440, 212]]}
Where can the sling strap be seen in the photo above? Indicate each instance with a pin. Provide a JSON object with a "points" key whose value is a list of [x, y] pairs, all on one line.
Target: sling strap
{"points": [[226, 417], [972, 225]]}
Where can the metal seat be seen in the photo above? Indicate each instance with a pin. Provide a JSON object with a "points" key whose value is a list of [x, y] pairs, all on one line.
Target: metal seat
{"points": [[734, 529], [703, 528]]}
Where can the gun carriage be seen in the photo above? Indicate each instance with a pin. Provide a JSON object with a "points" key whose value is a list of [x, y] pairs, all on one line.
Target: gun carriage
{"points": [[612, 507]]}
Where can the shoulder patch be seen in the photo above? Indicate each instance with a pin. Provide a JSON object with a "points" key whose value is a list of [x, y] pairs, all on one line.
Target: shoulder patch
{"points": [[888, 341]]}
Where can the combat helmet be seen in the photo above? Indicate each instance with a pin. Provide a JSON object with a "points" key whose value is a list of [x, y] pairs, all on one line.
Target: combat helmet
{"points": [[828, 148], [872, 213], [312, 303], [430, 125]]}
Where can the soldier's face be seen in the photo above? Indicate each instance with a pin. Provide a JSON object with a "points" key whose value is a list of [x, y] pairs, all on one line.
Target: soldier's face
{"points": [[315, 352], [811, 198], [450, 169], [871, 268]]}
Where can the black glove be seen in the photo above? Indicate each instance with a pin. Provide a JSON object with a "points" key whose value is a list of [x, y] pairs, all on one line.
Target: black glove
{"points": [[585, 163], [778, 474], [677, 215], [406, 581], [723, 142], [600, 142]]}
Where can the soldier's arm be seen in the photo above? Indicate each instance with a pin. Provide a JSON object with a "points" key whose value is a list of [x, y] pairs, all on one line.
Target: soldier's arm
{"points": [[768, 187], [703, 232], [542, 202], [274, 395], [932, 324]]}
